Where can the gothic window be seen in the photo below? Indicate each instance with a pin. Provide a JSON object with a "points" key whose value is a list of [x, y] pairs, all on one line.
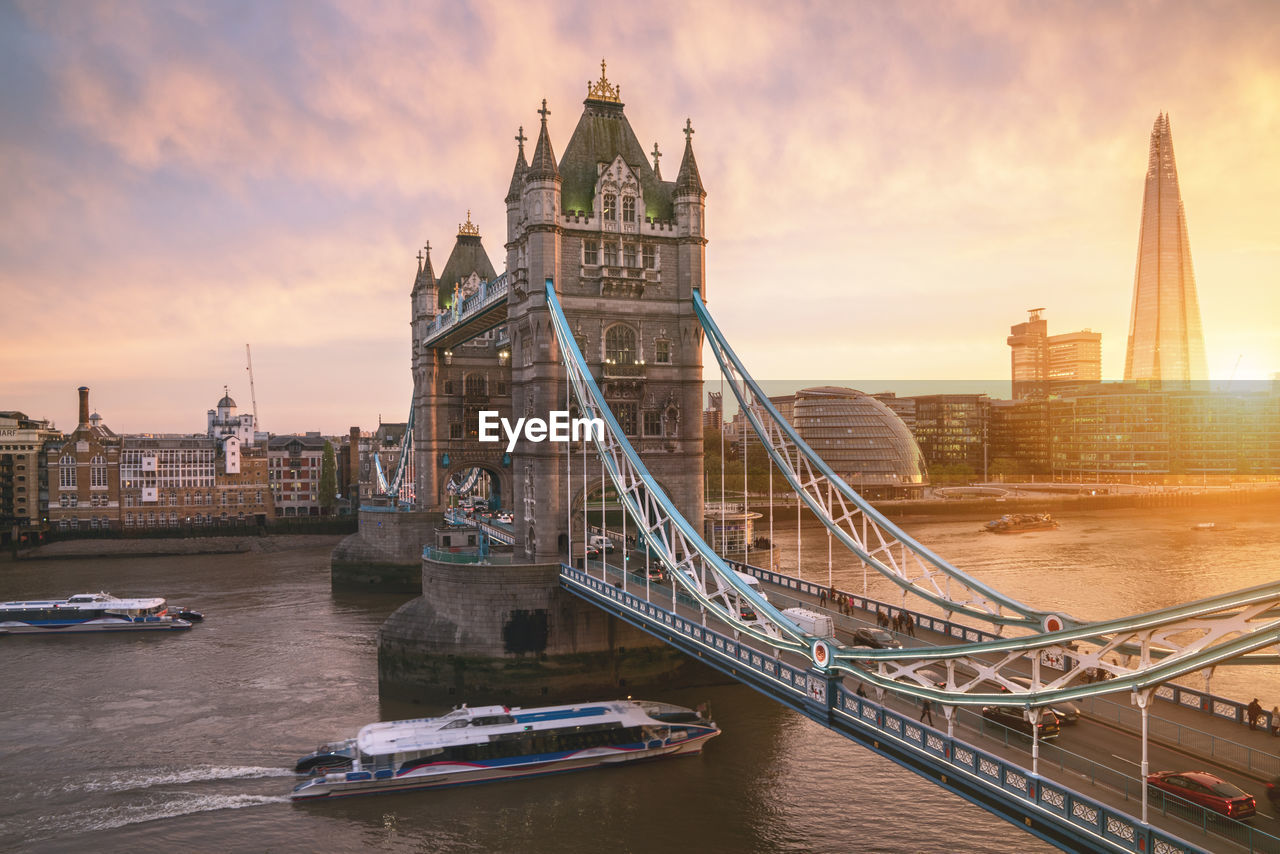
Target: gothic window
{"points": [[610, 207], [629, 255], [590, 252], [67, 472], [611, 254], [473, 385], [652, 422], [662, 351], [628, 208], [650, 257], [625, 412], [448, 386], [620, 344], [98, 472]]}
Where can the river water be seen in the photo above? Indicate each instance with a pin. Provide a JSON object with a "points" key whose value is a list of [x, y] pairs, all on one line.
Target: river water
{"points": [[147, 743]]}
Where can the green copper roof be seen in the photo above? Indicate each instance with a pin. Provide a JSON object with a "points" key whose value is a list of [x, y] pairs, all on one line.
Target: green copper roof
{"points": [[602, 134]]}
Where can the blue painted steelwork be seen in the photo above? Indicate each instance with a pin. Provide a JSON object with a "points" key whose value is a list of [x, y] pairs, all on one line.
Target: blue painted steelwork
{"points": [[1055, 813], [982, 602], [392, 489]]}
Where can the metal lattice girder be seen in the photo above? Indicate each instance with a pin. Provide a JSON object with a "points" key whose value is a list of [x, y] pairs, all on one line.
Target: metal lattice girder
{"points": [[1128, 654], [854, 522], [689, 561], [393, 487]]}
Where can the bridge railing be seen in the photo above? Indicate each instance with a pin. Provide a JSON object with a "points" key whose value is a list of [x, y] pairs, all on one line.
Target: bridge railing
{"points": [[828, 700], [1222, 708], [488, 293]]}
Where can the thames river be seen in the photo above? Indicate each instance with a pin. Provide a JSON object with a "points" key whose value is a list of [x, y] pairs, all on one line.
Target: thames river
{"points": [[186, 740]]}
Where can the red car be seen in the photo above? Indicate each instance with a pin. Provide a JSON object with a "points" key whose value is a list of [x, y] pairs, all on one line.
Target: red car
{"points": [[1206, 790]]}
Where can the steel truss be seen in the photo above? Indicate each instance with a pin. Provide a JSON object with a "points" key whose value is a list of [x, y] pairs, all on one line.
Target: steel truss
{"points": [[393, 487], [854, 522], [688, 560]]}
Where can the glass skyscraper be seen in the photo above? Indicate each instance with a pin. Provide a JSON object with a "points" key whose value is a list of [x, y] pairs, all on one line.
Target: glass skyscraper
{"points": [[1166, 341]]}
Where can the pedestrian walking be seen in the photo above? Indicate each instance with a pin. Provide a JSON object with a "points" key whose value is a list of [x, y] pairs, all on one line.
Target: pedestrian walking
{"points": [[1253, 711], [926, 711], [1275, 721], [909, 624], [822, 598], [861, 692]]}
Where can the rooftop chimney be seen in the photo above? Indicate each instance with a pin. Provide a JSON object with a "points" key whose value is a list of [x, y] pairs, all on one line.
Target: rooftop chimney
{"points": [[84, 407]]}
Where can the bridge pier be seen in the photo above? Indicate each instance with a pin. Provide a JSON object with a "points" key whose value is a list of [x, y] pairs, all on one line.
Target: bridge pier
{"points": [[509, 634]]}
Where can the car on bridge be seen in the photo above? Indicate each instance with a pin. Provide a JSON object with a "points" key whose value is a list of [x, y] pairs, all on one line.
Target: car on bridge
{"points": [[875, 638], [1015, 719], [1068, 713], [1206, 790]]}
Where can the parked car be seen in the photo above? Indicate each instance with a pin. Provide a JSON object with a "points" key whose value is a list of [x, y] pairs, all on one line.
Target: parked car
{"points": [[875, 638], [1068, 713], [1206, 790], [1015, 719]]}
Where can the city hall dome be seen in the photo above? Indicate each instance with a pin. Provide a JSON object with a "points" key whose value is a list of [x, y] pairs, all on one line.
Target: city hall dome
{"points": [[862, 440]]}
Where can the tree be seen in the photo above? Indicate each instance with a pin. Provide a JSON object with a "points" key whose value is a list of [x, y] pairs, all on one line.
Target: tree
{"points": [[328, 479]]}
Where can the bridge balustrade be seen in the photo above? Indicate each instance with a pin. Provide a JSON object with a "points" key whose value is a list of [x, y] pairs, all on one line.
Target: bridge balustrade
{"points": [[823, 698]]}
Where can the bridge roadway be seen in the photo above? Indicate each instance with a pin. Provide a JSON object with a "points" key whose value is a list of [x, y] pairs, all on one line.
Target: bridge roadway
{"points": [[1099, 757]]}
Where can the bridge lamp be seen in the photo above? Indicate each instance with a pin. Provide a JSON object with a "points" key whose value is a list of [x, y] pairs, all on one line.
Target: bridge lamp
{"points": [[448, 357], [503, 356]]}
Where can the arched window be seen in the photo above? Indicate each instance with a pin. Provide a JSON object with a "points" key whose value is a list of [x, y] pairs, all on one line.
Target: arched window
{"points": [[628, 208], [620, 344], [67, 472], [473, 385], [610, 207]]}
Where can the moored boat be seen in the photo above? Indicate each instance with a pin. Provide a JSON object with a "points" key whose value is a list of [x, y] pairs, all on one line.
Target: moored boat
{"points": [[491, 743], [88, 612], [1017, 523]]}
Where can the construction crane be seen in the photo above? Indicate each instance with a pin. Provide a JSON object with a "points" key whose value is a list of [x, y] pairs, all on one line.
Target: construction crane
{"points": [[253, 395]]}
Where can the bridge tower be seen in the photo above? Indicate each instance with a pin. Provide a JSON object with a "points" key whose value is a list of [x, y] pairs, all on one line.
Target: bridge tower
{"points": [[626, 250]]}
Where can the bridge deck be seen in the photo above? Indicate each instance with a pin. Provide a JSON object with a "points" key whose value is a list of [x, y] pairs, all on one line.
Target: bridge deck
{"points": [[1099, 757]]}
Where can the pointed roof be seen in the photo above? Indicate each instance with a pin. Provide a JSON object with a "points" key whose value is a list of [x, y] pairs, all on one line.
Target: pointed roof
{"points": [[468, 256], [603, 133], [426, 276], [518, 173], [543, 163], [688, 180]]}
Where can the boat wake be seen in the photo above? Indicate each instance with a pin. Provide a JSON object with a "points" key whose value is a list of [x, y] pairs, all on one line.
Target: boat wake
{"points": [[130, 782], [172, 805]]}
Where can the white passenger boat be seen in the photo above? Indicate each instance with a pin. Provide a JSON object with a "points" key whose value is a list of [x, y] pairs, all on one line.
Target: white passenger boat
{"points": [[88, 612], [489, 743]]}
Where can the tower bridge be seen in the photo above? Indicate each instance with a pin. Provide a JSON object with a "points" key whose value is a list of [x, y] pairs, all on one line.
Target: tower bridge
{"points": [[602, 311]]}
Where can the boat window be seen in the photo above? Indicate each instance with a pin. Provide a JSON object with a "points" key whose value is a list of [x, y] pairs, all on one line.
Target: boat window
{"points": [[493, 720], [459, 724]]}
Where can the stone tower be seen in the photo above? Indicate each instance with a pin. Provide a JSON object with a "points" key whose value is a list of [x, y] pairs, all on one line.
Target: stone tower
{"points": [[1166, 341], [625, 250]]}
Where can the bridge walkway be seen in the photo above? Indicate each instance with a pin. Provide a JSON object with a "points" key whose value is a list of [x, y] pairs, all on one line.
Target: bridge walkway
{"points": [[1093, 758]]}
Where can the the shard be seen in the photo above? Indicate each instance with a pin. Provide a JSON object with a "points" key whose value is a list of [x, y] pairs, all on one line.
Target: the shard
{"points": [[1166, 342]]}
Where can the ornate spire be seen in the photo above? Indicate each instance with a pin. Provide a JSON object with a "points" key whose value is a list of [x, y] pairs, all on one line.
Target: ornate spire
{"points": [[543, 162], [688, 180], [656, 154], [517, 174], [425, 277], [467, 229], [602, 91]]}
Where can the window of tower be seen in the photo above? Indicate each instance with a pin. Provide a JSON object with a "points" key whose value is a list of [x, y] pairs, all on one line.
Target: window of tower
{"points": [[629, 255], [625, 412], [473, 385], [610, 207], [611, 254], [590, 252], [652, 422], [620, 344], [628, 208], [662, 351], [650, 258]]}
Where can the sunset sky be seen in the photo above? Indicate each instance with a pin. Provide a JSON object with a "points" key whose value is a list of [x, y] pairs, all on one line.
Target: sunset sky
{"points": [[890, 186]]}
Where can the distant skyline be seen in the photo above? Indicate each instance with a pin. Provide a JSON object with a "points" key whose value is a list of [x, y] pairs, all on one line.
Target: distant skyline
{"points": [[890, 187]]}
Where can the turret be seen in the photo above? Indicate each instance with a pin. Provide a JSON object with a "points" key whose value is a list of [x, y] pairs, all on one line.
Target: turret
{"points": [[690, 206], [541, 203], [514, 192]]}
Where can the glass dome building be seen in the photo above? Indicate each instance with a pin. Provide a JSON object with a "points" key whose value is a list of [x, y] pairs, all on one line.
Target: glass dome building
{"points": [[863, 441]]}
